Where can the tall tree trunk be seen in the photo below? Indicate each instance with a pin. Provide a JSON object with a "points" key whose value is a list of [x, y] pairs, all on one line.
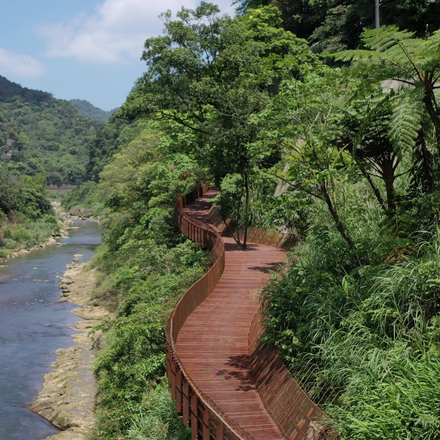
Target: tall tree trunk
{"points": [[424, 175], [339, 225], [388, 177], [430, 104], [376, 190]]}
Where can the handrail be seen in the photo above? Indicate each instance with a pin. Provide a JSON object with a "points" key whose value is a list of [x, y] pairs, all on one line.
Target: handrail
{"points": [[276, 386], [179, 378], [207, 420]]}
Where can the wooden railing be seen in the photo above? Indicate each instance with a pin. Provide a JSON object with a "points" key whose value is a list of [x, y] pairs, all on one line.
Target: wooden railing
{"points": [[271, 238], [207, 421], [297, 417], [295, 414]]}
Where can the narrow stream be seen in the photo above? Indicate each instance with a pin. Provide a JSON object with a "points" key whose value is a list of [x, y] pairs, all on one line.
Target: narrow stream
{"points": [[33, 325]]}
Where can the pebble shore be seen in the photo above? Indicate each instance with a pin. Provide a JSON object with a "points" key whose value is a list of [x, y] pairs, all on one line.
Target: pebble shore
{"points": [[67, 399]]}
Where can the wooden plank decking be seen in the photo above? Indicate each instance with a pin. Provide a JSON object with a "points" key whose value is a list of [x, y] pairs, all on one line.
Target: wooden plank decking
{"points": [[213, 342]]}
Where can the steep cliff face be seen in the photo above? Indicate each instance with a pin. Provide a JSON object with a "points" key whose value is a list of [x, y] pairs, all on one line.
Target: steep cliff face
{"points": [[11, 143]]}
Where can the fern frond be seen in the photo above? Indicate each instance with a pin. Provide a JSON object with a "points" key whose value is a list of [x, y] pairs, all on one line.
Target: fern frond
{"points": [[434, 42], [394, 54], [406, 119], [382, 39], [357, 55], [409, 50]]}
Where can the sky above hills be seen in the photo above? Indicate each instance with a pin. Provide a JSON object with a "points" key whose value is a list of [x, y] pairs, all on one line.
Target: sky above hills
{"points": [[81, 49]]}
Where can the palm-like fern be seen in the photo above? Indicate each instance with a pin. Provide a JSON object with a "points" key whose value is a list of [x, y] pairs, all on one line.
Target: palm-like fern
{"points": [[414, 63], [406, 120]]}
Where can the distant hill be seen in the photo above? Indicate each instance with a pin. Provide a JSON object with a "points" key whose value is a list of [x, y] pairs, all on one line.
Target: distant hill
{"points": [[90, 111], [9, 89], [42, 134]]}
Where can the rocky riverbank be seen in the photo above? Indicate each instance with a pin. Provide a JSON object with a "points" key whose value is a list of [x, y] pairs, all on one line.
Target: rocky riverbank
{"points": [[67, 399]]}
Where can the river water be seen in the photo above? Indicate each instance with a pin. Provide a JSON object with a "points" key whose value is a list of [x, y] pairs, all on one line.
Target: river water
{"points": [[33, 325]]}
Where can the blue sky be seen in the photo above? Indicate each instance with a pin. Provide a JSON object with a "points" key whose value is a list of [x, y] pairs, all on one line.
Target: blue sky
{"points": [[81, 49]]}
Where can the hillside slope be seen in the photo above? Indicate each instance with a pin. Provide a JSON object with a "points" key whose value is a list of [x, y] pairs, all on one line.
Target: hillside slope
{"points": [[42, 134], [88, 110]]}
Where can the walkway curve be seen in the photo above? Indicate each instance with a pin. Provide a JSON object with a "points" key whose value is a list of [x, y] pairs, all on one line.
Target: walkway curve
{"points": [[208, 348]]}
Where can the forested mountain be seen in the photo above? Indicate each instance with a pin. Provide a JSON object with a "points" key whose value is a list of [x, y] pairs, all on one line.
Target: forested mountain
{"points": [[9, 89], [109, 139], [88, 110], [41, 134]]}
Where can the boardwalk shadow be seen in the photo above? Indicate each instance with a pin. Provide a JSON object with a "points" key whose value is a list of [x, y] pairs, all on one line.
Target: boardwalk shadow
{"points": [[235, 247], [238, 370], [211, 195], [266, 268]]}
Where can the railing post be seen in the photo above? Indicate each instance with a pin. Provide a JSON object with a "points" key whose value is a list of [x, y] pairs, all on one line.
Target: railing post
{"points": [[168, 362], [219, 431], [206, 427], [194, 424], [173, 378], [185, 402], [179, 391]]}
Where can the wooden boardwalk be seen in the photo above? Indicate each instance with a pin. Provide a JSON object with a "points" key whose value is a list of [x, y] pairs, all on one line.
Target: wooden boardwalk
{"points": [[213, 342]]}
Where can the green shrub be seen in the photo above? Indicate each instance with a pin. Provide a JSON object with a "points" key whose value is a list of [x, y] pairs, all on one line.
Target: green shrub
{"points": [[19, 234], [158, 418], [50, 219], [8, 243]]}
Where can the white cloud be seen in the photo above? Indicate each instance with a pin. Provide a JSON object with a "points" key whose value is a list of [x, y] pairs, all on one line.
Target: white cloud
{"points": [[12, 63], [116, 31]]}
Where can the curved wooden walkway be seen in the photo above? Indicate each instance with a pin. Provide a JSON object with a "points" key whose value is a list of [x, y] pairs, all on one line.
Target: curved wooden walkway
{"points": [[213, 341]]}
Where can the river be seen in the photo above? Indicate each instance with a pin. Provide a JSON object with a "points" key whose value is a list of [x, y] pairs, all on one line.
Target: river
{"points": [[33, 325]]}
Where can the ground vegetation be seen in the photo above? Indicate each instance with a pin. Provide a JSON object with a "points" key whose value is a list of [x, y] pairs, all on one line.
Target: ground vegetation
{"points": [[27, 218]]}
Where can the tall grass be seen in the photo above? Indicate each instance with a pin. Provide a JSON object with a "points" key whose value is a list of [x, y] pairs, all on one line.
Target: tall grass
{"points": [[372, 332], [158, 419]]}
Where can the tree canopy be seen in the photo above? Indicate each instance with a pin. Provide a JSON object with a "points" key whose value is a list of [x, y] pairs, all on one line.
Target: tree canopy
{"points": [[209, 74], [41, 134], [337, 25]]}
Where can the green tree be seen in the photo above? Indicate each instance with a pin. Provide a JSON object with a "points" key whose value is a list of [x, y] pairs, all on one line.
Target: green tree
{"points": [[304, 121], [109, 139], [209, 74], [414, 64], [333, 25], [366, 124]]}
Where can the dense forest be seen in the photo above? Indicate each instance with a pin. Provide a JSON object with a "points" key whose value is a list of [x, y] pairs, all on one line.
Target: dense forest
{"points": [[43, 135], [90, 111], [27, 218], [341, 149], [334, 25]]}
